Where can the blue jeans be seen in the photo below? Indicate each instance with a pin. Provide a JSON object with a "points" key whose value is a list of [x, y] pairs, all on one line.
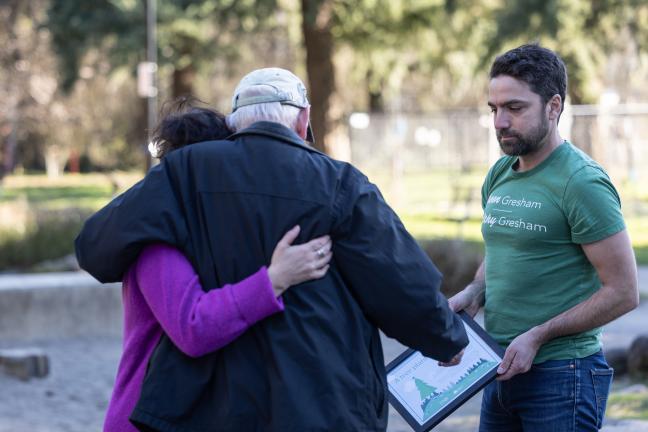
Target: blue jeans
{"points": [[554, 396]]}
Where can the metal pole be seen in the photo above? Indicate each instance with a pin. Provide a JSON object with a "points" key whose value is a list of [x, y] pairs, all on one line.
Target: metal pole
{"points": [[151, 58]]}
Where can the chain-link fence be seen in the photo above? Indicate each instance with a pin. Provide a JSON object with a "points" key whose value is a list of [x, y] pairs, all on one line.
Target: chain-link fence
{"points": [[435, 162]]}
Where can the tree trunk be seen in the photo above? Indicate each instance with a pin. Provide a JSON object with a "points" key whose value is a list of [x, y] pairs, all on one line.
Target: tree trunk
{"points": [[9, 154], [55, 159], [317, 16], [8, 59], [139, 133], [376, 99], [183, 81]]}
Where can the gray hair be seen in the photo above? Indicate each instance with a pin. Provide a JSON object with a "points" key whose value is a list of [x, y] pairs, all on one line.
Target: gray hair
{"points": [[275, 112]]}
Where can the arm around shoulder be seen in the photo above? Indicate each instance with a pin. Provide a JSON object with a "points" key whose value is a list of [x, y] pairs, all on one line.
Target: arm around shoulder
{"points": [[111, 240], [200, 322]]}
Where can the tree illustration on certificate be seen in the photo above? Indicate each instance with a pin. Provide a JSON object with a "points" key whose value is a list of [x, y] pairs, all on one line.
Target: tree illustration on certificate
{"points": [[424, 388]]}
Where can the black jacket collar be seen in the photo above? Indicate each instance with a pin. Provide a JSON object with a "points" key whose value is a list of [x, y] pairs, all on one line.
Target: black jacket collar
{"points": [[274, 130]]}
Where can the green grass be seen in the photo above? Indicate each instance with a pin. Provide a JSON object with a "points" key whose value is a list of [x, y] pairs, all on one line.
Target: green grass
{"points": [[628, 406], [641, 254], [42, 216], [638, 229], [50, 236], [67, 193], [90, 191], [61, 197], [439, 204], [426, 226], [447, 204]]}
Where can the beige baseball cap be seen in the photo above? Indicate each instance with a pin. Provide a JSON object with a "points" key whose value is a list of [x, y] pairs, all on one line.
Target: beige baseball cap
{"points": [[282, 86]]}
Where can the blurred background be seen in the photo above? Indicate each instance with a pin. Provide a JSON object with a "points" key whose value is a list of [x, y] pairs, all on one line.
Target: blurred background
{"points": [[397, 87]]}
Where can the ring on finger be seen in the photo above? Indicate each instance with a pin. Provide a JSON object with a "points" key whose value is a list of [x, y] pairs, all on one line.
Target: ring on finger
{"points": [[320, 253]]}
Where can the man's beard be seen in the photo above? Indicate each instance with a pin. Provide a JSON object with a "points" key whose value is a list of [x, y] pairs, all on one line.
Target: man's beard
{"points": [[523, 145]]}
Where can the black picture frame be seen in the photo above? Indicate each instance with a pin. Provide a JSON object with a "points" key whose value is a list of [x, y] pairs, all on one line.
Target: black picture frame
{"points": [[432, 409]]}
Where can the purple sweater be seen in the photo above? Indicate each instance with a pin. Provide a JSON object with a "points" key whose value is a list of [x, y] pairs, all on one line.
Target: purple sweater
{"points": [[162, 293]]}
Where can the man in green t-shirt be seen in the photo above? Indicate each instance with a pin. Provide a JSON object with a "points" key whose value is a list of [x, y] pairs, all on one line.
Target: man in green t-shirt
{"points": [[558, 262]]}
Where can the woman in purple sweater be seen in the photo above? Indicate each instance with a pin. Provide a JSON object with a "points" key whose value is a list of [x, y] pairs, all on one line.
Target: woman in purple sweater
{"points": [[162, 292]]}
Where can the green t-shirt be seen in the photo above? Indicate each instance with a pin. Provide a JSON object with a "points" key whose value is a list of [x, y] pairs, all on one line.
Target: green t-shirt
{"points": [[533, 227]]}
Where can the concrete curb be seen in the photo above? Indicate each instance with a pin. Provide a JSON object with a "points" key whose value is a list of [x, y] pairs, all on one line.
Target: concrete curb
{"points": [[58, 305], [73, 304]]}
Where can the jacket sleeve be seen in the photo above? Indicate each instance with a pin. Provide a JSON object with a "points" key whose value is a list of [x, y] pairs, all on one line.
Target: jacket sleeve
{"points": [[393, 280], [112, 238]]}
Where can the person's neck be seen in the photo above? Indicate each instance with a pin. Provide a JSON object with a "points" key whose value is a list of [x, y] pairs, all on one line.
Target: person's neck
{"points": [[532, 160]]}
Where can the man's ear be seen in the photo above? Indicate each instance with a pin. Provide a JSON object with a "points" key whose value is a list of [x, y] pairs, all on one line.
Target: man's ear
{"points": [[302, 122], [554, 106]]}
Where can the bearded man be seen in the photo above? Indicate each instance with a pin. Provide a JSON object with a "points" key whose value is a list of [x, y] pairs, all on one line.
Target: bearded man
{"points": [[558, 262]]}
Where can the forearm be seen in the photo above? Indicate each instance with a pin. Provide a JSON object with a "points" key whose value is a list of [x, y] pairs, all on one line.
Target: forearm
{"points": [[112, 238], [473, 296], [199, 322], [616, 267], [399, 291], [477, 288], [206, 322], [606, 305]]}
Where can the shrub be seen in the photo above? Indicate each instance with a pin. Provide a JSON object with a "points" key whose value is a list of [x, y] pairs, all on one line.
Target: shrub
{"points": [[49, 234], [458, 260]]}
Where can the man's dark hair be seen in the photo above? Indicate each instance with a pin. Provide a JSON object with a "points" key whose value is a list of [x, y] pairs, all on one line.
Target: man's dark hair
{"points": [[542, 69], [184, 123]]}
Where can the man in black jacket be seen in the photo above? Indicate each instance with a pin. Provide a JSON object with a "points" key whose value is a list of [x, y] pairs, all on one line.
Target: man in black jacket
{"points": [[225, 204]]}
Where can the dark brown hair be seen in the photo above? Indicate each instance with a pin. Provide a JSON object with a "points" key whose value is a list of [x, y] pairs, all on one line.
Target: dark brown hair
{"points": [[542, 69], [184, 122]]}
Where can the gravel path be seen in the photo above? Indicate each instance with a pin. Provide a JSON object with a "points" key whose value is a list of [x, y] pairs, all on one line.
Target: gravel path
{"points": [[74, 397]]}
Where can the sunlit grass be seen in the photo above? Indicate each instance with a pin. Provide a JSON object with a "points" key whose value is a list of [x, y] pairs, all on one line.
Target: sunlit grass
{"points": [[638, 229], [40, 217], [436, 204], [428, 227], [447, 204], [628, 406], [67, 193], [90, 191], [69, 180]]}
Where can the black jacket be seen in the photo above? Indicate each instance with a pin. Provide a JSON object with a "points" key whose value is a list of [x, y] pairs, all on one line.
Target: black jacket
{"points": [[319, 365]]}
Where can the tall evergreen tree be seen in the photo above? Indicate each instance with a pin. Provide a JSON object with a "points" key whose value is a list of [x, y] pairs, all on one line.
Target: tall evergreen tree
{"points": [[425, 389], [191, 33]]}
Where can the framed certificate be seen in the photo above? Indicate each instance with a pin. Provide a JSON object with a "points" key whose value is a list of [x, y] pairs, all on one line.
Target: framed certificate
{"points": [[425, 393]]}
